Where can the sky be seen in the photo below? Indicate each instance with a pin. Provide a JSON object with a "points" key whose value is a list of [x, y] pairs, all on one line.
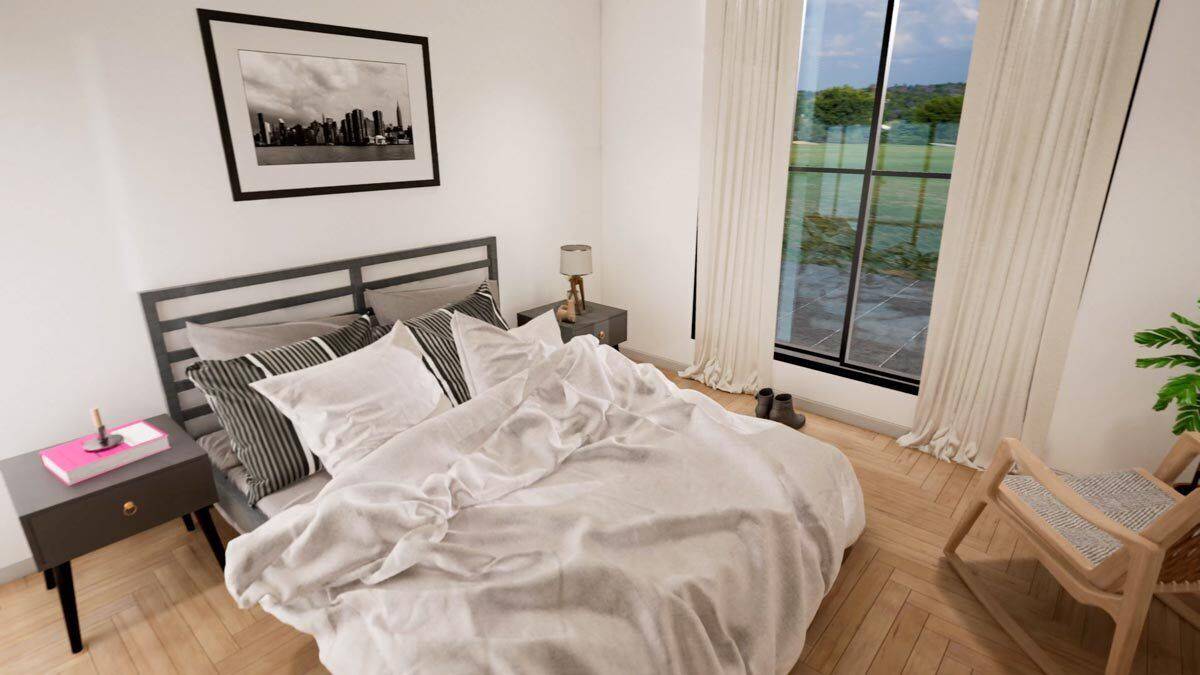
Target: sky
{"points": [[300, 89], [842, 39]]}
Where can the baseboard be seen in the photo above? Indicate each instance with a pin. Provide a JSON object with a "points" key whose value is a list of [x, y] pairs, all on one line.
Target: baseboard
{"points": [[653, 359], [21, 568], [833, 412], [852, 418]]}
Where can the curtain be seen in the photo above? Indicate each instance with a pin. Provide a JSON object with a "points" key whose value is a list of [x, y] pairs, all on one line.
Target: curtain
{"points": [[751, 61], [1049, 87]]}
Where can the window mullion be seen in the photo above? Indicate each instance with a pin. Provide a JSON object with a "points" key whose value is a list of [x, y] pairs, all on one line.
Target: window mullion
{"points": [[885, 57]]}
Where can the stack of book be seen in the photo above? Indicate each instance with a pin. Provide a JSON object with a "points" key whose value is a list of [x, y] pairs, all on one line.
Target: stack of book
{"points": [[72, 464]]}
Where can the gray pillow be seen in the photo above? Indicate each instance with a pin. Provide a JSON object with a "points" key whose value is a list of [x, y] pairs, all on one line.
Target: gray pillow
{"points": [[219, 449], [263, 439], [224, 342], [399, 304]]}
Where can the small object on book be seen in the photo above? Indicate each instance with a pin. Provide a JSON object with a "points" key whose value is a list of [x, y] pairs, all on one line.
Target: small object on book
{"points": [[73, 463], [102, 441]]}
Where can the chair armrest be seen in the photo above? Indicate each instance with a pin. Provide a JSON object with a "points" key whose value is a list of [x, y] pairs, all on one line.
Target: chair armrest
{"points": [[1182, 453], [1033, 466], [1176, 522]]}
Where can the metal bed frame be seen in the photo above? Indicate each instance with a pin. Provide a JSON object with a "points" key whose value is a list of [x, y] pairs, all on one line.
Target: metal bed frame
{"points": [[232, 504], [356, 288]]}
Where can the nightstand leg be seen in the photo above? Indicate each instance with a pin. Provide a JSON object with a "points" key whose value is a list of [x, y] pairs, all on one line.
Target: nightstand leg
{"points": [[49, 575], [187, 522], [66, 597], [210, 533]]}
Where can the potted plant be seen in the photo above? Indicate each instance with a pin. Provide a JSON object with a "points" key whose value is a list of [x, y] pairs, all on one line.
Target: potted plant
{"points": [[1182, 390]]}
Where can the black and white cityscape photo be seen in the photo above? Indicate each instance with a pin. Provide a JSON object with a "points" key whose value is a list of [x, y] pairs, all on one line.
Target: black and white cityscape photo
{"points": [[316, 109]]}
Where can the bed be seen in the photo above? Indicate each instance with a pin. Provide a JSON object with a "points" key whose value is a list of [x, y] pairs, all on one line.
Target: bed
{"points": [[583, 515], [298, 292]]}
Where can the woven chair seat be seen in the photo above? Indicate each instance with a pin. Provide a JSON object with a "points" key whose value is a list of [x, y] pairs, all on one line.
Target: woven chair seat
{"points": [[1127, 497]]}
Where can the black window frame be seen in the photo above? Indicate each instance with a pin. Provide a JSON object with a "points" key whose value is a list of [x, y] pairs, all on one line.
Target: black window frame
{"points": [[839, 365]]}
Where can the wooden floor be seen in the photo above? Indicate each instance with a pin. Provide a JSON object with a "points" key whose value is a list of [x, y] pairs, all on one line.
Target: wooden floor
{"points": [[156, 603]]}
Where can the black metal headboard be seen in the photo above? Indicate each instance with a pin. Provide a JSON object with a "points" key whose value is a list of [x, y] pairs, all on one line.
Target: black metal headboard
{"points": [[159, 327]]}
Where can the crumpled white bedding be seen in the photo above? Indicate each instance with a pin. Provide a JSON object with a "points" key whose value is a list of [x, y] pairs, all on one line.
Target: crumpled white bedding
{"points": [[586, 516]]}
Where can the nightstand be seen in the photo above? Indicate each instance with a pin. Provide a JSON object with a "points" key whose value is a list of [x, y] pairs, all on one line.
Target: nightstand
{"points": [[606, 323], [63, 522]]}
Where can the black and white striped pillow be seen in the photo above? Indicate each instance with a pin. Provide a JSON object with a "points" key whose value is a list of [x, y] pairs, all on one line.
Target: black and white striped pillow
{"points": [[432, 331], [263, 439]]}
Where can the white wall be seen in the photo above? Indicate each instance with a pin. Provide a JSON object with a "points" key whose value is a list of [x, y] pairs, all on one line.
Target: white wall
{"points": [[651, 65], [1145, 266], [113, 181], [652, 75]]}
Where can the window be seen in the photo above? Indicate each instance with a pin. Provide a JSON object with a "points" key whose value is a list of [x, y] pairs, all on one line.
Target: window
{"points": [[878, 99]]}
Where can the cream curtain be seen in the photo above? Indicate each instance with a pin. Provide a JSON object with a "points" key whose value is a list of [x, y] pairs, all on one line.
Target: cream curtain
{"points": [[751, 60], [1048, 90]]}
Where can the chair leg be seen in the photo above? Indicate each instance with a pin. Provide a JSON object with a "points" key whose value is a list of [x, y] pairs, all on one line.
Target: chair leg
{"points": [[964, 525], [1131, 617], [1010, 625], [1184, 610], [992, 477], [1002, 617]]}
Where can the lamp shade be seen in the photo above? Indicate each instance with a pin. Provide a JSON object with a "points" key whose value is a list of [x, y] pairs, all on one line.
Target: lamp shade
{"points": [[576, 259]]}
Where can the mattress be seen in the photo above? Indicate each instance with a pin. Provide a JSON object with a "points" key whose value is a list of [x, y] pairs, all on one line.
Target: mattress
{"points": [[231, 481], [297, 493]]}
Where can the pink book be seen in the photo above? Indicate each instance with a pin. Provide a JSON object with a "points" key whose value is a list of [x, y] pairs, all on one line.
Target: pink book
{"points": [[72, 464]]}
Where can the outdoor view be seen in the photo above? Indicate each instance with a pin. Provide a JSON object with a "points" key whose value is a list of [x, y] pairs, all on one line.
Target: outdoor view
{"points": [[903, 191]]}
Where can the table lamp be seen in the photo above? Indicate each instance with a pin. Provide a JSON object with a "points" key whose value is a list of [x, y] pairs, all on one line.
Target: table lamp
{"points": [[575, 261]]}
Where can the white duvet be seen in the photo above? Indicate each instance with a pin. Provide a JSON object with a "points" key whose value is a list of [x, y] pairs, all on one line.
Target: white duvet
{"points": [[586, 516]]}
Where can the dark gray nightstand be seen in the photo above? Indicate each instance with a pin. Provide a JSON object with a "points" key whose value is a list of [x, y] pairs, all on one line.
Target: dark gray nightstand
{"points": [[63, 522], [606, 323]]}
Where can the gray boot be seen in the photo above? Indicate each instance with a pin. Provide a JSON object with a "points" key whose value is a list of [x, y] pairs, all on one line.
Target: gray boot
{"points": [[783, 412], [764, 396]]}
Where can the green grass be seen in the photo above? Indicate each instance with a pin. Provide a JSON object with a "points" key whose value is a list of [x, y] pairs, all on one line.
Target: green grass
{"points": [[904, 216], [891, 157]]}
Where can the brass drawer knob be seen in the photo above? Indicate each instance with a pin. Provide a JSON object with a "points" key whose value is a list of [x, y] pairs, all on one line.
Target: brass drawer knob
{"points": [[130, 508], [601, 336]]}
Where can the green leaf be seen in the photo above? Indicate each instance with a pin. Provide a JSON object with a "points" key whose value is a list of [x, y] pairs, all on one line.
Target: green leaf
{"points": [[1161, 337], [1181, 389], [1188, 419], [1169, 361], [1185, 321]]}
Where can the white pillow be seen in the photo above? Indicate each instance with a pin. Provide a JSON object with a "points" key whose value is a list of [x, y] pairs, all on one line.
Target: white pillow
{"points": [[490, 355], [346, 408]]}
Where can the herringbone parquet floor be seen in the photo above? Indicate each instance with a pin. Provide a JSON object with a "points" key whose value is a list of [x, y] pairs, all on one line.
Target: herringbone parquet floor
{"points": [[897, 607], [155, 603]]}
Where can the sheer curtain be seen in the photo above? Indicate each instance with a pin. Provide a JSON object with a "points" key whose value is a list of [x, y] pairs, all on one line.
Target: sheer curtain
{"points": [[1049, 87], [750, 93]]}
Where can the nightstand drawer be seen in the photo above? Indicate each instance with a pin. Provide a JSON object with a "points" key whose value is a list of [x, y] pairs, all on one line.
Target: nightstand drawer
{"points": [[77, 527], [611, 331], [602, 331]]}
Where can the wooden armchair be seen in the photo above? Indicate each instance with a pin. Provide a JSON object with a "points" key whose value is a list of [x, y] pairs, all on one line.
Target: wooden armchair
{"points": [[1112, 540]]}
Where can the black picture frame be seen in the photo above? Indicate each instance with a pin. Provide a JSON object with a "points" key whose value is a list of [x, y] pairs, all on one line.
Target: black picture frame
{"points": [[207, 16]]}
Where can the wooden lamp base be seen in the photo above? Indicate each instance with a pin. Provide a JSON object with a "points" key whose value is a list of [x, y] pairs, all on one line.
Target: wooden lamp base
{"points": [[577, 290]]}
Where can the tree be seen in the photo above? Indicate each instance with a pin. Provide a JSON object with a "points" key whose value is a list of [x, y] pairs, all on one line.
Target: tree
{"points": [[938, 109], [843, 106]]}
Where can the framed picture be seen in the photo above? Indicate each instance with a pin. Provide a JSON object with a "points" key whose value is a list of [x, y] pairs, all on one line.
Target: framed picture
{"points": [[311, 109]]}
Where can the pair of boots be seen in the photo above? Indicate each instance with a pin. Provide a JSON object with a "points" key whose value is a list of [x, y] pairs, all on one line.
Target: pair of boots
{"points": [[777, 408]]}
